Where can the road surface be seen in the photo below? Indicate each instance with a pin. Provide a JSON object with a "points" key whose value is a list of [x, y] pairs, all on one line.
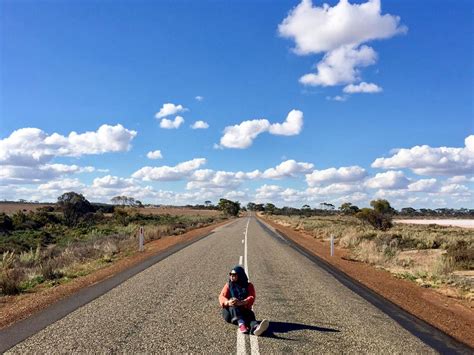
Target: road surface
{"points": [[172, 306]]}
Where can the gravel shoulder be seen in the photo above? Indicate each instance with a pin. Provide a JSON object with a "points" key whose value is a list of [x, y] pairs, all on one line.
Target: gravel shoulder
{"points": [[451, 316]]}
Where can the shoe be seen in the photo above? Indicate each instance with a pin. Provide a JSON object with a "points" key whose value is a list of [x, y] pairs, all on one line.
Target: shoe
{"points": [[261, 328], [243, 329]]}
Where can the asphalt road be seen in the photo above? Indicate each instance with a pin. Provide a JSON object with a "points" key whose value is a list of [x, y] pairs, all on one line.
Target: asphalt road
{"points": [[172, 306]]}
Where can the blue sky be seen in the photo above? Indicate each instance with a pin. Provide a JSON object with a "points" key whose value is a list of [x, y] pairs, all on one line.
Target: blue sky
{"points": [[362, 81]]}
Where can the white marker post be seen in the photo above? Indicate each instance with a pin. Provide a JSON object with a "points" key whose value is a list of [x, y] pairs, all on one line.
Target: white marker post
{"points": [[141, 239], [332, 245]]}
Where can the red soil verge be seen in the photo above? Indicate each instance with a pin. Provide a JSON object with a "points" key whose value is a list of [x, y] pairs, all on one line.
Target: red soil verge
{"points": [[15, 308], [447, 314]]}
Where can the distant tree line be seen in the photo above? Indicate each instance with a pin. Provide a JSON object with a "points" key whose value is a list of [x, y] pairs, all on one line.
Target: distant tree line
{"points": [[347, 208]]}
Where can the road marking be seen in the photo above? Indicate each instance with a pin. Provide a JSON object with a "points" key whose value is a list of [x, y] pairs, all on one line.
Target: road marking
{"points": [[240, 343], [245, 248], [254, 345], [254, 349]]}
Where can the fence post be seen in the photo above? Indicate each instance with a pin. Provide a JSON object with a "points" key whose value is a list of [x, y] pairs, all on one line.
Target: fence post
{"points": [[141, 239], [332, 245]]}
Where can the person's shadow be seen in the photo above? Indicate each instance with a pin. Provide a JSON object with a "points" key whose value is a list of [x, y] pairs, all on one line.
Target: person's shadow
{"points": [[284, 327]]}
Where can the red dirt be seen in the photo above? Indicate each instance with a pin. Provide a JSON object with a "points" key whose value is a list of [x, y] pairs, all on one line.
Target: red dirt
{"points": [[452, 316], [15, 308]]}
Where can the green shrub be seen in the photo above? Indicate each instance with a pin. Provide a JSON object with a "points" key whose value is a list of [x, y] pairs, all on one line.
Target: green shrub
{"points": [[6, 223], [462, 255], [49, 269], [380, 221]]}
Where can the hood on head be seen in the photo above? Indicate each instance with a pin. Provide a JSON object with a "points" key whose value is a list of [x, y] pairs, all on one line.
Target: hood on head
{"points": [[242, 276]]}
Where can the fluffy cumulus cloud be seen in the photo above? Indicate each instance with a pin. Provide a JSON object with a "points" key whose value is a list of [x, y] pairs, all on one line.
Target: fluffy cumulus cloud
{"points": [[170, 109], [169, 173], [32, 146], [112, 182], [200, 125], [340, 66], [425, 160], [241, 136], [288, 168], [172, 124], [26, 155], [362, 87], [156, 154], [338, 31], [423, 185], [333, 175], [199, 98], [291, 127], [210, 179], [388, 180]]}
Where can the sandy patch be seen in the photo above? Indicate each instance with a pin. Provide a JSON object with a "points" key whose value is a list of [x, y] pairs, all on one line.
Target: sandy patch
{"points": [[463, 223]]}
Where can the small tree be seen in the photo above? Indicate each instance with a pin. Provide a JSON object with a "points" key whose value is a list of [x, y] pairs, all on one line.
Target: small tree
{"points": [[270, 208], [229, 207], [348, 208], [380, 217], [74, 207]]}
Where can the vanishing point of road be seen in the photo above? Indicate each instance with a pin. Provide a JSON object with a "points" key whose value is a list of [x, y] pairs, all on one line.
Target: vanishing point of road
{"points": [[172, 306]]}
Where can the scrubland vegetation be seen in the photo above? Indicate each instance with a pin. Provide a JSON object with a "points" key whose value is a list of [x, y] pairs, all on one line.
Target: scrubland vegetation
{"points": [[432, 255], [74, 237]]}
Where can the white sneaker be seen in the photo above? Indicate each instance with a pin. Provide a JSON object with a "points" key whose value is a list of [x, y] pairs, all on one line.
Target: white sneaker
{"points": [[261, 328]]}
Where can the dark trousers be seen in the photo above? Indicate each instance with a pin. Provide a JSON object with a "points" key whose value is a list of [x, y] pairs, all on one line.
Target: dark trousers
{"points": [[232, 314]]}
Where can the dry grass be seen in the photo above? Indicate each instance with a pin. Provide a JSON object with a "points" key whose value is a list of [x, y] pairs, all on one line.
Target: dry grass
{"points": [[11, 208], [178, 211], [431, 255]]}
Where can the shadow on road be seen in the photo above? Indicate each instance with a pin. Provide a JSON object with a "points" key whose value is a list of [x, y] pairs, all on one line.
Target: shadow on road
{"points": [[284, 327]]}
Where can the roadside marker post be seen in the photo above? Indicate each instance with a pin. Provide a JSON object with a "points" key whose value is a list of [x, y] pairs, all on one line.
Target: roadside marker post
{"points": [[141, 239], [332, 245]]}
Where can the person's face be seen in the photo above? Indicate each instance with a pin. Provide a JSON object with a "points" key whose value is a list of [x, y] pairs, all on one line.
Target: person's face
{"points": [[233, 276]]}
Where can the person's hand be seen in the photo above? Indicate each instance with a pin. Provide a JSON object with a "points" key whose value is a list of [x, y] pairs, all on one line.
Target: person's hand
{"points": [[240, 303], [232, 302]]}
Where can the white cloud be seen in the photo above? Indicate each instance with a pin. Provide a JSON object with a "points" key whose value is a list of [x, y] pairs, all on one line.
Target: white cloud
{"points": [[200, 125], [241, 136], [362, 87], [288, 168], [292, 125], [169, 173], [199, 98], [172, 124], [425, 160], [63, 185], [455, 190], [32, 146], [388, 180], [332, 175], [338, 98], [333, 189], [423, 185], [340, 66], [323, 29], [170, 109], [459, 179], [268, 192], [112, 182], [38, 174], [154, 155], [338, 31]]}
